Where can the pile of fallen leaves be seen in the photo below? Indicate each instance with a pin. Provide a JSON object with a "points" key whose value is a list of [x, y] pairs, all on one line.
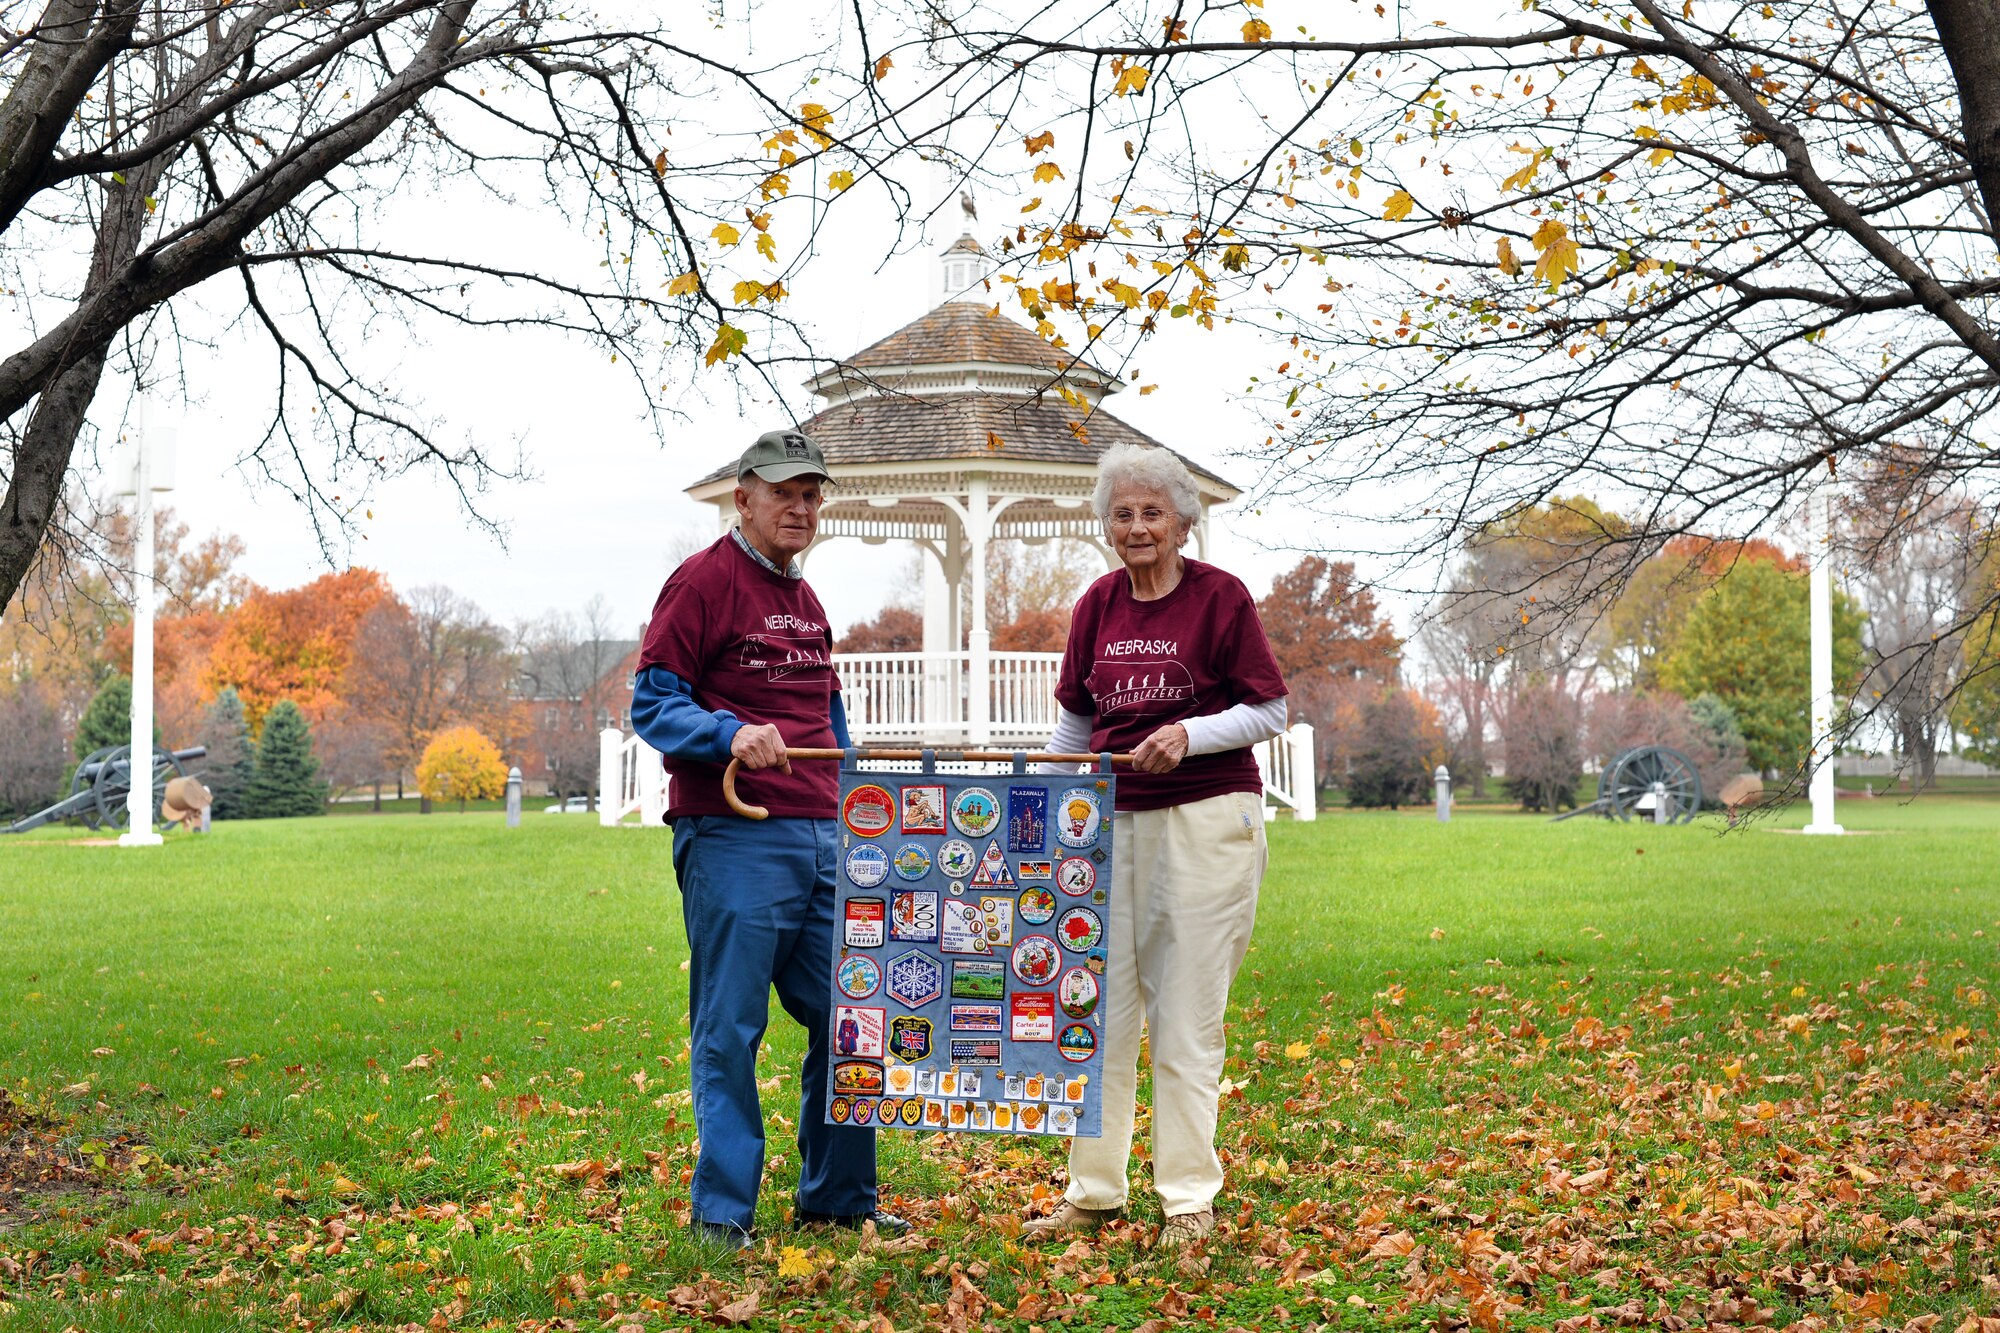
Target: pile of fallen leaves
{"points": [[36, 1161]]}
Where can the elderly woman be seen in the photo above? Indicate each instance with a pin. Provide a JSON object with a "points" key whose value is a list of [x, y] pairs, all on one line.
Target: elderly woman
{"points": [[1167, 659]]}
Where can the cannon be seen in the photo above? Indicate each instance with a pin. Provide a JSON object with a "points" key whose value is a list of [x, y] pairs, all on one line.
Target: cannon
{"points": [[1637, 778], [102, 782]]}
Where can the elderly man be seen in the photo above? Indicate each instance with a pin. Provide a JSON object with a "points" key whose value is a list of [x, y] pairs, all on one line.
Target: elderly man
{"points": [[737, 662]]}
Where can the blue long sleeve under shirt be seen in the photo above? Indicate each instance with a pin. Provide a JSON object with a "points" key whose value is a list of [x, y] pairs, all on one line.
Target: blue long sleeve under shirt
{"points": [[666, 717]]}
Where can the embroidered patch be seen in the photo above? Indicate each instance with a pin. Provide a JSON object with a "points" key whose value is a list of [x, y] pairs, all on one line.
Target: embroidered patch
{"points": [[1031, 870], [975, 811], [888, 1108], [934, 1115], [978, 980], [963, 928], [1062, 1120], [1031, 1016], [902, 1081], [913, 1111], [955, 859], [923, 809], [1036, 960], [867, 865], [975, 1018], [864, 926], [912, 861], [858, 1077], [1079, 929], [868, 811], [983, 1052], [1076, 876], [1027, 818], [914, 979], [1077, 1043], [864, 1111], [1037, 906], [858, 1031], [858, 976], [992, 872], [910, 1037], [839, 1109], [913, 916], [999, 914], [1077, 812], [1077, 992]]}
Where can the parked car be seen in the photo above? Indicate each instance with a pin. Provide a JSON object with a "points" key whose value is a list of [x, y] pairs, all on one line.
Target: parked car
{"points": [[575, 805]]}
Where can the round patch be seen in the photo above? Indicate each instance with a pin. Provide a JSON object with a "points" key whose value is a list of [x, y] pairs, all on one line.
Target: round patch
{"points": [[859, 976], [975, 811], [1037, 906], [957, 887], [867, 865], [1079, 929], [1076, 817], [913, 1110], [1077, 1043], [864, 1111], [1036, 959], [1076, 876], [890, 1105], [1077, 993], [839, 1110], [956, 859], [869, 811], [912, 861]]}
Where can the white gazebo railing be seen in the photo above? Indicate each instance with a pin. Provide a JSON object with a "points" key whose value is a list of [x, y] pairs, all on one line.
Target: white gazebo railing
{"points": [[923, 698], [930, 698], [1289, 776]]}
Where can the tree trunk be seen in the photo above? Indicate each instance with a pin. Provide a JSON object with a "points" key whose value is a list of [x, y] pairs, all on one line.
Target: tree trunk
{"points": [[423, 805], [1970, 32], [378, 796]]}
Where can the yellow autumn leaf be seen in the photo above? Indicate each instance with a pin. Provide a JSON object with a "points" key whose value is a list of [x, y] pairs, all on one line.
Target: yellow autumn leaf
{"points": [[728, 342], [1509, 264], [1298, 1050], [1641, 70], [817, 120], [793, 1261], [1127, 294], [1145, 389], [840, 180], [1037, 142], [767, 247], [1047, 172], [1659, 157], [1558, 258], [1032, 204], [882, 68], [1398, 206], [1548, 234], [725, 234], [775, 185], [1256, 30], [1131, 79], [683, 285]]}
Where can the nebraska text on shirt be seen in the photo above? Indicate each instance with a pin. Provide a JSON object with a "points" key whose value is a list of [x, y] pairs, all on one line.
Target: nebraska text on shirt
{"points": [[1150, 647], [784, 621]]}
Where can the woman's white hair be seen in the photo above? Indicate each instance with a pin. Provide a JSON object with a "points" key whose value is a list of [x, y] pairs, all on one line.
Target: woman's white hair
{"points": [[1150, 467]]}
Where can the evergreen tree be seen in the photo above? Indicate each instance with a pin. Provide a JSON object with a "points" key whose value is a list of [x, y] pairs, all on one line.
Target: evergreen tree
{"points": [[108, 718], [1390, 768], [232, 754], [285, 781]]}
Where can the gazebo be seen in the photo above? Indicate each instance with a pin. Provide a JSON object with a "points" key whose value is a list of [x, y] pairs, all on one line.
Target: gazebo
{"points": [[954, 432]]}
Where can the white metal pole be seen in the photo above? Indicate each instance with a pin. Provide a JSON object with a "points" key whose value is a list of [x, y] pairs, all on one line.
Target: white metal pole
{"points": [[139, 831], [1820, 510]]}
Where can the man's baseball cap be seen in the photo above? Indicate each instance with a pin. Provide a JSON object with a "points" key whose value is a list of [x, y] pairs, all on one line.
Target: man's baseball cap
{"points": [[781, 455]]}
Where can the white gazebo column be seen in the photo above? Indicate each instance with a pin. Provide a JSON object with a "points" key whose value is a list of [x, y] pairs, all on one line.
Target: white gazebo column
{"points": [[1819, 510], [978, 642]]}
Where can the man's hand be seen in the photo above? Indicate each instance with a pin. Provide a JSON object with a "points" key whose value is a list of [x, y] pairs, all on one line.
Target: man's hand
{"points": [[1161, 751], [763, 747]]}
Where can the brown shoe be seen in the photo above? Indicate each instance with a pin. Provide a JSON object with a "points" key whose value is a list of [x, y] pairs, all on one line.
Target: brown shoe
{"points": [[1068, 1220], [1184, 1229]]}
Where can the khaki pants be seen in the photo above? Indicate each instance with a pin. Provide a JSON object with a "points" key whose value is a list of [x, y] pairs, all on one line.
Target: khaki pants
{"points": [[1184, 897]]}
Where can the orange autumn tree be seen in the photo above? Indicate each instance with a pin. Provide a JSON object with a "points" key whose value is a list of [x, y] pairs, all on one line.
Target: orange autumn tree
{"points": [[294, 644]]}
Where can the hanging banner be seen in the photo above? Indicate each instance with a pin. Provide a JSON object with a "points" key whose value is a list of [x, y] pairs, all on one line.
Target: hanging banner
{"points": [[968, 973]]}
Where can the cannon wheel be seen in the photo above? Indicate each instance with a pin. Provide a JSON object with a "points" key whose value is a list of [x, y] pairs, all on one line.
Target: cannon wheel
{"points": [[1634, 772], [113, 785]]}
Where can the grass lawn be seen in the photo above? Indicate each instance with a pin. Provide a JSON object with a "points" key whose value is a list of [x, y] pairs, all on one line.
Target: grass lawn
{"points": [[407, 1072]]}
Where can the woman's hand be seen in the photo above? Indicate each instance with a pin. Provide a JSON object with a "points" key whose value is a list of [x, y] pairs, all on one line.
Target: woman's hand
{"points": [[1161, 751]]}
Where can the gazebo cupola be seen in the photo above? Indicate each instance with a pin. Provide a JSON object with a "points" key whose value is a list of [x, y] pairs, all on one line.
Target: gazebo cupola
{"points": [[952, 433]]}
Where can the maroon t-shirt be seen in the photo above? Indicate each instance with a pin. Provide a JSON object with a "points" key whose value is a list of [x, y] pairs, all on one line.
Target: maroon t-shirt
{"points": [[755, 643], [1133, 667]]}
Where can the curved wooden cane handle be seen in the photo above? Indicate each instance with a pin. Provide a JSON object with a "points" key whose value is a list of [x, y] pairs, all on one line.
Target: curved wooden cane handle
{"points": [[737, 803]]}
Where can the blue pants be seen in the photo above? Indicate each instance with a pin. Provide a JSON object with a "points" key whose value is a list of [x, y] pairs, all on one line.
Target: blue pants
{"points": [[758, 901]]}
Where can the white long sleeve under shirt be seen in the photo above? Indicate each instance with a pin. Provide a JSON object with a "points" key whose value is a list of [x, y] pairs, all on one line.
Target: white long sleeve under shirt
{"points": [[1231, 729]]}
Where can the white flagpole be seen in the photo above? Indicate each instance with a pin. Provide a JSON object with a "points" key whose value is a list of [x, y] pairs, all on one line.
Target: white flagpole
{"points": [[1820, 510], [140, 831]]}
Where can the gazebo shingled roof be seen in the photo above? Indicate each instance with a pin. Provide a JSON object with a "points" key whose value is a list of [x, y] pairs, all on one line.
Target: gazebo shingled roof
{"points": [[962, 427], [965, 332]]}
